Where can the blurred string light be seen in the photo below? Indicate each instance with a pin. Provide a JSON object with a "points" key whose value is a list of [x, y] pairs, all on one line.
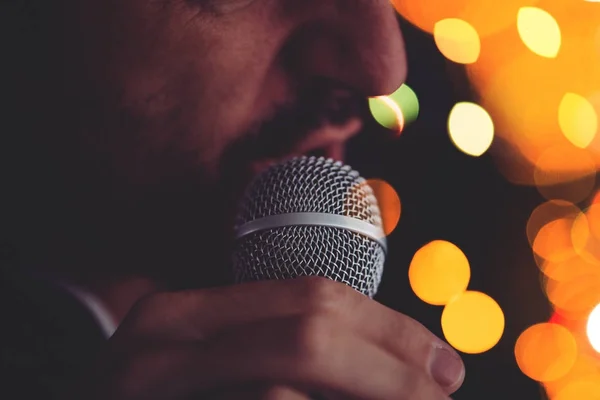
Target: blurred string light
{"points": [[539, 31], [457, 40], [396, 110], [473, 322], [471, 128], [438, 272]]}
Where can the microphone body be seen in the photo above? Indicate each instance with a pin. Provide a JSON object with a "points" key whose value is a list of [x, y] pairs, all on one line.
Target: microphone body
{"points": [[310, 216]]}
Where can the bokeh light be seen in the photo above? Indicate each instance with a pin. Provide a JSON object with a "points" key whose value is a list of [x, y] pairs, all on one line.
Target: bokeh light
{"points": [[486, 16], [593, 328], [567, 173], [546, 352], [471, 128], [457, 40], [397, 110], [548, 212], [588, 389], [473, 322], [586, 368], [387, 113], [438, 272], [539, 31], [576, 296], [553, 241], [389, 204], [578, 120]]}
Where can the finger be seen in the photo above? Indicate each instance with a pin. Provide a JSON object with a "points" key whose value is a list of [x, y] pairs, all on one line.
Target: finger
{"points": [[198, 315], [301, 353], [260, 392]]}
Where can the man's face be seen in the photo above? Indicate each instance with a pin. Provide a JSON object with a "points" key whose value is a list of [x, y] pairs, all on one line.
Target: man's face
{"points": [[178, 85], [191, 97]]}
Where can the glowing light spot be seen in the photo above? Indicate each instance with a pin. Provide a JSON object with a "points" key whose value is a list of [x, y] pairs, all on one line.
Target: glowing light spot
{"points": [[389, 204], [539, 31], [578, 120], [593, 328], [387, 113], [576, 297], [471, 128], [584, 369], [588, 389], [473, 322], [548, 212], [553, 242], [545, 352], [565, 172], [457, 40], [438, 272], [408, 102], [566, 270]]}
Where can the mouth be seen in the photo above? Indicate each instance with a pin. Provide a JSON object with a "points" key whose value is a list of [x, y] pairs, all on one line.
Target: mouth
{"points": [[327, 140]]}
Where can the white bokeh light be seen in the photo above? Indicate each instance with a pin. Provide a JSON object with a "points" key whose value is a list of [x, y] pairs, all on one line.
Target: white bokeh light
{"points": [[593, 328]]}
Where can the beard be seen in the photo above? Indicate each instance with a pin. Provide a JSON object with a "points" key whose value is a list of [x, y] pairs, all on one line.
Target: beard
{"points": [[176, 231]]}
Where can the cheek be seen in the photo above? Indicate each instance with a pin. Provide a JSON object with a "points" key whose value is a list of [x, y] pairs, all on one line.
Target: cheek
{"points": [[192, 83]]}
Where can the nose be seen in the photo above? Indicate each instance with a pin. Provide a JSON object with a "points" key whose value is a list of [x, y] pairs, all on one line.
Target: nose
{"points": [[357, 43]]}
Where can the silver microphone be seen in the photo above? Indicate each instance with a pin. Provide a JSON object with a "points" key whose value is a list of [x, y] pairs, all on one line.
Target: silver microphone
{"points": [[310, 216]]}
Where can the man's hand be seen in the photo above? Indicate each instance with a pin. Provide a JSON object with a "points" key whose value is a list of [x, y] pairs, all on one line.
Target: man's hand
{"points": [[299, 337]]}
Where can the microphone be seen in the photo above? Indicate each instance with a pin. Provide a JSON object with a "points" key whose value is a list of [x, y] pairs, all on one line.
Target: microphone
{"points": [[310, 216]]}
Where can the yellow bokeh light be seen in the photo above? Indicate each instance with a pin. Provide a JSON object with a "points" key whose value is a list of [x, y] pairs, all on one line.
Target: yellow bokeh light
{"points": [[457, 40], [539, 31], [588, 389], [389, 204], [471, 128], [523, 91], [473, 322], [593, 328], [487, 16], [578, 120], [438, 272], [546, 352]]}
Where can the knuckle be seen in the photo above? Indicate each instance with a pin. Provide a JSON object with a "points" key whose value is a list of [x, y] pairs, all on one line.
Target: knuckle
{"points": [[325, 295]]}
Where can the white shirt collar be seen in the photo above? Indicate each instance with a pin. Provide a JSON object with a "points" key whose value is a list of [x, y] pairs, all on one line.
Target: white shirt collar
{"points": [[96, 307]]}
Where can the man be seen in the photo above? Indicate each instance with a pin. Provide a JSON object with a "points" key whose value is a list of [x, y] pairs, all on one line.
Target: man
{"points": [[133, 127]]}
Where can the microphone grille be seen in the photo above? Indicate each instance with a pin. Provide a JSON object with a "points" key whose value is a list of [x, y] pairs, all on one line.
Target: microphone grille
{"points": [[310, 185]]}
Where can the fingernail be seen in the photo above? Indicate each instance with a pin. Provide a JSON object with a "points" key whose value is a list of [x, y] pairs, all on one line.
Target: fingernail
{"points": [[446, 367]]}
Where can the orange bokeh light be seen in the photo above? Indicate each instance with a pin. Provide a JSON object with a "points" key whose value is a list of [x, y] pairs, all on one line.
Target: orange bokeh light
{"points": [[546, 352], [486, 16], [389, 204]]}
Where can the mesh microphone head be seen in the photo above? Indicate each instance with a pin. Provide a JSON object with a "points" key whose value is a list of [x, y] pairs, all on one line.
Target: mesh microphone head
{"points": [[288, 249]]}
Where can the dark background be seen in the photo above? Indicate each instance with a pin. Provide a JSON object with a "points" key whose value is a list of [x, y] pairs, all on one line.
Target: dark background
{"points": [[449, 195]]}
